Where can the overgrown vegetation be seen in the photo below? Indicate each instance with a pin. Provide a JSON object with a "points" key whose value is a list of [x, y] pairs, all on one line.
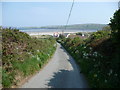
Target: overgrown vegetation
{"points": [[0, 58], [22, 55], [98, 55]]}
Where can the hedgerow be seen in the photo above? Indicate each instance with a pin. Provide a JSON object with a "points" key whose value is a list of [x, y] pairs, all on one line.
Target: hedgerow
{"points": [[96, 57], [22, 55]]}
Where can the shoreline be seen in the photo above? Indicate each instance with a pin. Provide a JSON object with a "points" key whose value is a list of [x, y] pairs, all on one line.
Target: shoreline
{"points": [[52, 32], [45, 33]]}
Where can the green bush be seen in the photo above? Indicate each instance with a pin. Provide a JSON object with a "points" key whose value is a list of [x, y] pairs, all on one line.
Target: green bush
{"points": [[23, 55], [115, 26], [96, 57]]}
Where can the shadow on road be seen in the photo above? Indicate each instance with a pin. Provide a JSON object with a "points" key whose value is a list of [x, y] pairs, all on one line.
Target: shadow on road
{"points": [[58, 81], [68, 78]]}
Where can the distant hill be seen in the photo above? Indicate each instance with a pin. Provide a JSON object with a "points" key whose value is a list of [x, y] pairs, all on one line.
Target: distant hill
{"points": [[75, 26]]}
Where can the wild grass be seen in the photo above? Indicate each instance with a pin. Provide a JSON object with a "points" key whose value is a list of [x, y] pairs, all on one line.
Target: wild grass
{"points": [[97, 58], [23, 56]]}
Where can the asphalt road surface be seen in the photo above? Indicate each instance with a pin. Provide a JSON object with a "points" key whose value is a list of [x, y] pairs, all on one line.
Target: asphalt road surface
{"points": [[60, 72]]}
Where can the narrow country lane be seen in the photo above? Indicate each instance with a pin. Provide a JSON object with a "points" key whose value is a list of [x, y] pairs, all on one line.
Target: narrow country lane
{"points": [[60, 72]]}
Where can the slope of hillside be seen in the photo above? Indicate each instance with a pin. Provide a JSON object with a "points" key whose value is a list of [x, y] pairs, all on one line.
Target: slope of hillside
{"points": [[79, 26], [75, 26]]}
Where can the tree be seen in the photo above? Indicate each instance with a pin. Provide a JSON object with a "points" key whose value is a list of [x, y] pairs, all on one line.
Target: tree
{"points": [[79, 33], [115, 26], [106, 28]]}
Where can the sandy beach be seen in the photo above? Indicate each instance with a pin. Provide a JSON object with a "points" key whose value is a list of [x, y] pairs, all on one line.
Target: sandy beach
{"points": [[45, 33]]}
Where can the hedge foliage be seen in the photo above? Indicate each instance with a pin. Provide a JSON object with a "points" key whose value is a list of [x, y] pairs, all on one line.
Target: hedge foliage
{"points": [[96, 57], [22, 55]]}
